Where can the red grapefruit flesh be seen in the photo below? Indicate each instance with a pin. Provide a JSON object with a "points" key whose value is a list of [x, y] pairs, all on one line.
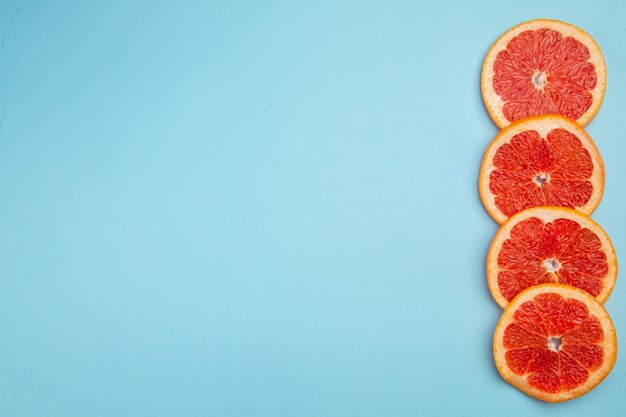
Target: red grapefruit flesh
{"points": [[543, 67], [544, 160], [554, 342], [550, 244]]}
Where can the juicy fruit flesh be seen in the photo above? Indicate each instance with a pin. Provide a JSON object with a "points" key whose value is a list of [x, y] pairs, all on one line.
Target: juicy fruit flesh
{"points": [[559, 251], [532, 171], [555, 342], [542, 72]]}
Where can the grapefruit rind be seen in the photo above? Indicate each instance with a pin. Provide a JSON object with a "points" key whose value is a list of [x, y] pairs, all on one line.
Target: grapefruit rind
{"points": [[608, 344], [543, 124], [548, 214], [494, 104]]}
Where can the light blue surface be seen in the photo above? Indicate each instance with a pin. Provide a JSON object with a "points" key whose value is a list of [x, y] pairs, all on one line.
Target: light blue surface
{"points": [[242, 209]]}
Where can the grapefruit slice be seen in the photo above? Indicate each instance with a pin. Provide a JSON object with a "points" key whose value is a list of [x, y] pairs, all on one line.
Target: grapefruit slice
{"points": [[554, 342], [550, 244], [544, 160], [543, 67]]}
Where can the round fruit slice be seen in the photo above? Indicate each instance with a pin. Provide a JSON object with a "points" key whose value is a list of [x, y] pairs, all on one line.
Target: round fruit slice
{"points": [[550, 245], [554, 342], [544, 160], [543, 67]]}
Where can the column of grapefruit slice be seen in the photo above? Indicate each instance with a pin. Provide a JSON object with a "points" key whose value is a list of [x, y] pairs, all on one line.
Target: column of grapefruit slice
{"points": [[554, 342], [543, 67], [549, 265], [550, 244], [545, 160]]}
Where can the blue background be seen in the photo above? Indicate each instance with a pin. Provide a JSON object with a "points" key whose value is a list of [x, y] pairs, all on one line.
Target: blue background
{"points": [[251, 209]]}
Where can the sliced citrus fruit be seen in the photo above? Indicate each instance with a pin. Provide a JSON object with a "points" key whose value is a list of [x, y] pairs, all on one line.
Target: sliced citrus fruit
{"points": [[544, 160], [554, 342], [550, 244], [543, 67]]}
